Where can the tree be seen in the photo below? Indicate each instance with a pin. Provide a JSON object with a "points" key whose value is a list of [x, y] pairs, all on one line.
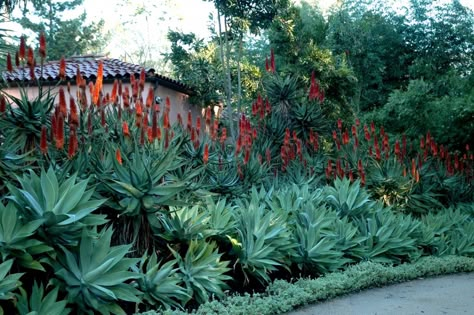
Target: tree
{"points": [[65, 37]]}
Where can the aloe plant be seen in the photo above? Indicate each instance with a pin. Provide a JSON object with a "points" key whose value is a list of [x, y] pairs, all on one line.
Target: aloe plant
{"points": [[160, 284], [97, 276], [8, 282], [17, 239], [39, 304], [65, 207], [141, 184], [202, 270]]}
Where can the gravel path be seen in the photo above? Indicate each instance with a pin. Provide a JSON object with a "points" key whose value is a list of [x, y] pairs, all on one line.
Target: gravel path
{"points": [[452, 295]]}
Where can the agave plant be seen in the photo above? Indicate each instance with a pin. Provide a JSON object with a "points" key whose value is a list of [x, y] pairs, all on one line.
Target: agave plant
{"points": [[388, 238], [317, 250], [17, 239], [183, 224], [97, 277], [65, 207], [8, 282], [348, 199], [39, 304], [264, 240], [160, 283], [202, 270], [221, 219]]}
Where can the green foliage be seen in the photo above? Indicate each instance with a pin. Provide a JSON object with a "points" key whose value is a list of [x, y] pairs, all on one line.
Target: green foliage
{"points": [[264, 239], [160, 283], [8, 282], [64, 205], [97, 276], [38, 303], [17, 239], [202, 270], [65, 37]]}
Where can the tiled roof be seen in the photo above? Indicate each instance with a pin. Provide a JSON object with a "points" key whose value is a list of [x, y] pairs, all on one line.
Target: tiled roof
{"points": [[113, 69]]}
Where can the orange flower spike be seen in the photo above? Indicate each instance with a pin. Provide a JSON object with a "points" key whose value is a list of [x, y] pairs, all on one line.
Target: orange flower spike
{"points": [[62, 102], [413, 167], [126, 131], [189, 123], [9, 63], [150, 97], [73, 117], [158, 133], [98, 82], [43, 140], [42, 46], [179, 119], [198, 125], [150, 134], [113, 95], [60, 132], [62, 69], [205, 157], [141, 83], [118, 156]]}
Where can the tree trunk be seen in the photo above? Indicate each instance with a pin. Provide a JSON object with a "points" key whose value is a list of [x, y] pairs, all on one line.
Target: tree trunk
{"points": [[239, 77]]}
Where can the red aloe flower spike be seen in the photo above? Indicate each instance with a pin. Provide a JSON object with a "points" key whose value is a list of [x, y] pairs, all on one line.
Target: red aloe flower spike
{"points": [[247, 156], [142, 80], [179, 119], [118, 156], [17, 59], [98, 82], [267, 66], [73, 117], [208, 116], [42, 46], [150, 97], [372, 127], [150, 134], [377, 153], [351, 176], [268, 107], [30, 61], [22, 50], [154, 125], [126, 131], [158, 134], [60, 132], [413, 168], [339, 123], [354, 130], [357, 122], [167, 139], [32, 71], [422, 143], [9, 63], [272, 61], [223, 135], [114, 92], [189, 123], [198, 125], [62, 102], [72, 145], [168, 104], [62, 69], [362, 179], [397, 148], [43, 140], [3, 104], [166, 120]]}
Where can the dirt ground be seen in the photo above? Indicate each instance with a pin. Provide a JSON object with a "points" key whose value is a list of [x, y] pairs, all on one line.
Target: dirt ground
{"points": [[452, 295]]}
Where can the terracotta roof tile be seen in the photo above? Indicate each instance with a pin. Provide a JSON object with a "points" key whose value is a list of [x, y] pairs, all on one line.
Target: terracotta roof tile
{"points": [[113, 69]]}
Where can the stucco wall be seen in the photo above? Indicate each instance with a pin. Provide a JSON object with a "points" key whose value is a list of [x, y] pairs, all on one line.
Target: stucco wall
{"points": [[179, 101]]}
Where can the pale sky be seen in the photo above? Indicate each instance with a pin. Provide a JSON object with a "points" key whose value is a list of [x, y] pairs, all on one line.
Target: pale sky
{"points": [[138, 28]]}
